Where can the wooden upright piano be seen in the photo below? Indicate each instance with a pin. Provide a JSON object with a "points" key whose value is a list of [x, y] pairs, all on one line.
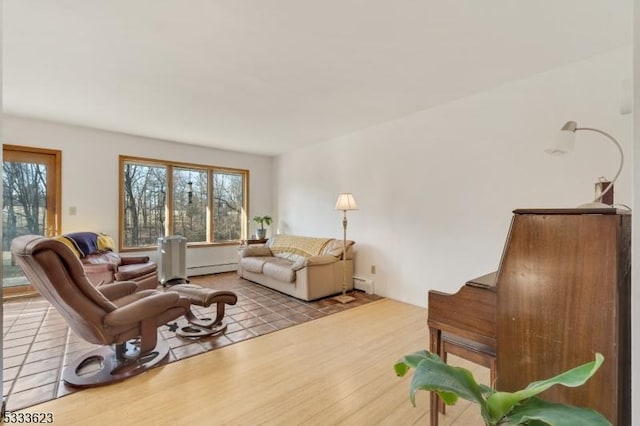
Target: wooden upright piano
{"points": [[561, 293]]}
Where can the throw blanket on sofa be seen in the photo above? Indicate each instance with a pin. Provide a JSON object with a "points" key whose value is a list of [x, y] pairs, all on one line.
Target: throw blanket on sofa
{"points": [[84, 243], [286, 245]]}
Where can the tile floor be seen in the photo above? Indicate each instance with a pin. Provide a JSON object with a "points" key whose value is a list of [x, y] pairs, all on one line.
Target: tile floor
{"points": [[38, 343]]}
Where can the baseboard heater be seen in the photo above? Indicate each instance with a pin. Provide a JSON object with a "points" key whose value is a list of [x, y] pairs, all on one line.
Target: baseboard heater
{"points": [[364, 284], [211, 269]]}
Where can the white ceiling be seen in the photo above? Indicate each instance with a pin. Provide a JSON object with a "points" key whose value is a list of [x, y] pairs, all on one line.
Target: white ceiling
{"points": [[269, 76]]}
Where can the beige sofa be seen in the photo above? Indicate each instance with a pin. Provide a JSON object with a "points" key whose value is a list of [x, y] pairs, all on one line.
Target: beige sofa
{"points": [[304, 267]]}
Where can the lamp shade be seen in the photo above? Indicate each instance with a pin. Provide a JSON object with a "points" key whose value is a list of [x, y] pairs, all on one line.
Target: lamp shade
{"points": [[564, 141], [346, 202]]}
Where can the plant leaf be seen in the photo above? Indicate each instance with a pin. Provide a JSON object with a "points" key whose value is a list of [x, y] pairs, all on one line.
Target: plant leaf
{"points": [[448, 398], [571, 378], [500, 403], [434, 375], [450, 382], [486, 390], [537, 410], [412, 361]]}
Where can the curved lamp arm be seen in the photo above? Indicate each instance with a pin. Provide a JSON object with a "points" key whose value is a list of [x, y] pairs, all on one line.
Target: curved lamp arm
{"points": [[565, 143], [621, 158]]}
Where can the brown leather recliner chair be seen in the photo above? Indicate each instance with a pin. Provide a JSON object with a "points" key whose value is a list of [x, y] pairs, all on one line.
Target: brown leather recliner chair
{"points": [[114, 314], [103, 266], [107, 267]]}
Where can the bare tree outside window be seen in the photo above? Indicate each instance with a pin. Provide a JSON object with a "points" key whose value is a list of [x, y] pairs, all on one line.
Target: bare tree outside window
{"points": [[145, 189], [31, 182], [24, 207], [228, 203], [24, 200], [205, 204], [190, 202]]}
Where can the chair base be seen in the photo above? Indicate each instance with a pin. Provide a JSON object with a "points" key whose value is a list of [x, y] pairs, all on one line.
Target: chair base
{"points": [[175, 281], [112, 367], [201, 296], [195, 331]]}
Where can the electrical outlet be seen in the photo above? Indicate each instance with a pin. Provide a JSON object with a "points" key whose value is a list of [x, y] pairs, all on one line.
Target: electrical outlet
{"points": [[373, 269], [73, 211]]}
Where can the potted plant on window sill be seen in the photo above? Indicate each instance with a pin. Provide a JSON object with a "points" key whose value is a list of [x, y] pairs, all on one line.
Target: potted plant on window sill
{"points": [[262, 220]]}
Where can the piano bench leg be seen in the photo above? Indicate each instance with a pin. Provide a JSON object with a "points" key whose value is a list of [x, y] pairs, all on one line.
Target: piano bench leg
{"points": [[434, 402], [435, 346], [444, 346], [441, 405]]}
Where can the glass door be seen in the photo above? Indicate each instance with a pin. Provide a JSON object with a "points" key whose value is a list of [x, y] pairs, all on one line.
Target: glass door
{"points": [[30, 204]]}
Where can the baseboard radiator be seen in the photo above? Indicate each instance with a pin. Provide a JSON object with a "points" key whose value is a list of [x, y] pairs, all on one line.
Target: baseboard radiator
{"points": [[212, 269], [359, 283], [364, 284]]}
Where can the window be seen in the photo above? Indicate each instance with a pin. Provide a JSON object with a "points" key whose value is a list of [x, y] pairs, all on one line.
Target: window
{"points": [[145, 189], [31, 182], [228, 205], [205, 204], [190, 203]]}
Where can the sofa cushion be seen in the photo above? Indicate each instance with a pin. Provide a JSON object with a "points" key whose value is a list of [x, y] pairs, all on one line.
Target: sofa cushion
{"points": [[279, 269], [254, 264], [291, 257], [313, 260], [253, 251], [336, 247]]}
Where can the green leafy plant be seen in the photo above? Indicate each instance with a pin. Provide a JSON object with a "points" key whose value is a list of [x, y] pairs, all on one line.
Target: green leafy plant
{"points": [[501, 408], [262, 220]]}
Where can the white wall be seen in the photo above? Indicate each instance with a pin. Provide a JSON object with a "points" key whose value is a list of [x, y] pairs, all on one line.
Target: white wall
{"points": [[90, 175], [436, 189]]}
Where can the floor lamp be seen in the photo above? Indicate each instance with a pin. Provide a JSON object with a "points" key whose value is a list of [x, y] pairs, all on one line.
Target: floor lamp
{"points": [[345, 202]]}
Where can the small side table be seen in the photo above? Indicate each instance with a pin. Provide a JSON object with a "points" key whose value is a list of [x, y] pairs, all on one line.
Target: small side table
{"points": [[244, 243]]}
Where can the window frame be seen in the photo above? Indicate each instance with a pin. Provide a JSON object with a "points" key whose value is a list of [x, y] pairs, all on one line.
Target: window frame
{"points": [[169, 208]]}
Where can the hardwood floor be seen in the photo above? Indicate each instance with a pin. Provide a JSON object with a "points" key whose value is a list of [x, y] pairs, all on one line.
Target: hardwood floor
{"points": [[334, 370]]}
